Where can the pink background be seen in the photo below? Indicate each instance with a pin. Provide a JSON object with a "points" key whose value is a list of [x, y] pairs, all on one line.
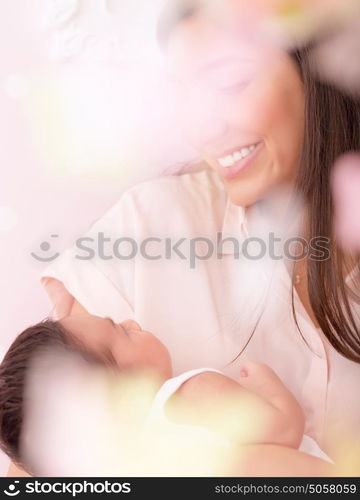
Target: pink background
{"points": [[62, 159]]}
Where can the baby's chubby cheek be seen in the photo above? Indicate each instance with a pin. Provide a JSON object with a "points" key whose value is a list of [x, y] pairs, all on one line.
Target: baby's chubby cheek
{"points": [[162, 361]]}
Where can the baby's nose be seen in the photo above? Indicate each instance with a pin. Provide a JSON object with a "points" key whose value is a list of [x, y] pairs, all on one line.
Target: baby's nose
{"points": [[131, 324]]}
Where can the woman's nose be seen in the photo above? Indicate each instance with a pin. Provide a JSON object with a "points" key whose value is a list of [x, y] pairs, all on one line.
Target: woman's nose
{"points": [[209, 131], [201, 115], [206, 125]]}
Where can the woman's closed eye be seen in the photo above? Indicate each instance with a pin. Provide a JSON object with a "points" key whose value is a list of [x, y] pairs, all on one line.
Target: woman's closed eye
{"points": [[228, 82], [234, 88]]}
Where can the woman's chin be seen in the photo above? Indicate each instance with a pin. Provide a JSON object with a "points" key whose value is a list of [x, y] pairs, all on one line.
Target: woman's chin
{"points": [[243, 197]]}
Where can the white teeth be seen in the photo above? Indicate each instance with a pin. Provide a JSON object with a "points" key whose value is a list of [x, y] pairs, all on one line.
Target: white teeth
{"points": [[227, 161], [237, 156], [230, 160]]}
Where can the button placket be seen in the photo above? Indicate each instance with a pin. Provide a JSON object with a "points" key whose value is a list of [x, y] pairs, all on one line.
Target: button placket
{"points": [[316, 383]]}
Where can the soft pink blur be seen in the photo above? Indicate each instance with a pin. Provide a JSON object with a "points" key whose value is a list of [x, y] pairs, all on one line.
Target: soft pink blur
{"points": [[346, 187], [80, 123], [71, 141]]}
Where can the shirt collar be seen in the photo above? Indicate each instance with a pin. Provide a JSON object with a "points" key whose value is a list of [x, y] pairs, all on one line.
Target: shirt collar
{"points": [[235, 225]]}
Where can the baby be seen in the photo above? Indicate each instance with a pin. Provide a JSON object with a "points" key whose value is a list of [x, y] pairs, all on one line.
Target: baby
{"points": [[259, 409]]}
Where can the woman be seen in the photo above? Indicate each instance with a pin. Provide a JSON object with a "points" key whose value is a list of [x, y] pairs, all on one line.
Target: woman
{"points": [[262, 123]]}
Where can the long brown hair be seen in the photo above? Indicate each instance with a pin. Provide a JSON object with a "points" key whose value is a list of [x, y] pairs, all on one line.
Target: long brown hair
{"points": [[14, 370], [332, 127]]}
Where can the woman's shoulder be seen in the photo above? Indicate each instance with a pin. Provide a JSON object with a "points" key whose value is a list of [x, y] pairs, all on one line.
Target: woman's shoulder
{"points": [[198, 185], [173, 198]]}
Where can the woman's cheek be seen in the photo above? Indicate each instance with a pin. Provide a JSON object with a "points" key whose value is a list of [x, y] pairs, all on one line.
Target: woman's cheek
{"points": [[288, 130], [254, 110], [277, 111]]}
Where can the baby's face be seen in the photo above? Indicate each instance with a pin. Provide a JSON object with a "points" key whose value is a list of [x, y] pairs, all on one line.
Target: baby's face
{"points": [[130, 348]]}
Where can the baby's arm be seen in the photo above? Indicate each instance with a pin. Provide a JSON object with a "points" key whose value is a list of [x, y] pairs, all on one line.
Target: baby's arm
{"points": [[260, 410]]}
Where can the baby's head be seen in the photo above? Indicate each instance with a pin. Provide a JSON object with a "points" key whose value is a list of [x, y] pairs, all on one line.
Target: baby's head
{"points": [[122, 347], [125, 346]]}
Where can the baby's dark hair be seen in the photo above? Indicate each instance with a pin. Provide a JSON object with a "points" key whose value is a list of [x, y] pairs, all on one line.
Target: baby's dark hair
{"points": [[13, 373]]}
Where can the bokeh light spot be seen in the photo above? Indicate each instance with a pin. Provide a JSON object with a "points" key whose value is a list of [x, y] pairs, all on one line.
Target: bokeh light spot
{"points": [[16, 86], [8, 219]]}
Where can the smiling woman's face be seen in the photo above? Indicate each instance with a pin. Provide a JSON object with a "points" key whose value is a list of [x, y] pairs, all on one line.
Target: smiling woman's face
{"points": [[243, 106]]}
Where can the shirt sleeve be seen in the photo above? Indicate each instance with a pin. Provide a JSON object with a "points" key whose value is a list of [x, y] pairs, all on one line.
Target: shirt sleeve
{"points": [[310, 446], [157, 413], [98, 270]]}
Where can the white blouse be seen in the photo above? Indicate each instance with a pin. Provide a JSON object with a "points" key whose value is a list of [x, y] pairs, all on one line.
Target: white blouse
{"points": [[205, 310]]}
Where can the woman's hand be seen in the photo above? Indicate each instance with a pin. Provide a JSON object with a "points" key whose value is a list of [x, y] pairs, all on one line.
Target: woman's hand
{"points": [[77, 308]]}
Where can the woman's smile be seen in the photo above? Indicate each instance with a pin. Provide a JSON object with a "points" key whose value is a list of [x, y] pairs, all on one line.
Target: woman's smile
{"points": [[231, 164], [245, 117]]}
